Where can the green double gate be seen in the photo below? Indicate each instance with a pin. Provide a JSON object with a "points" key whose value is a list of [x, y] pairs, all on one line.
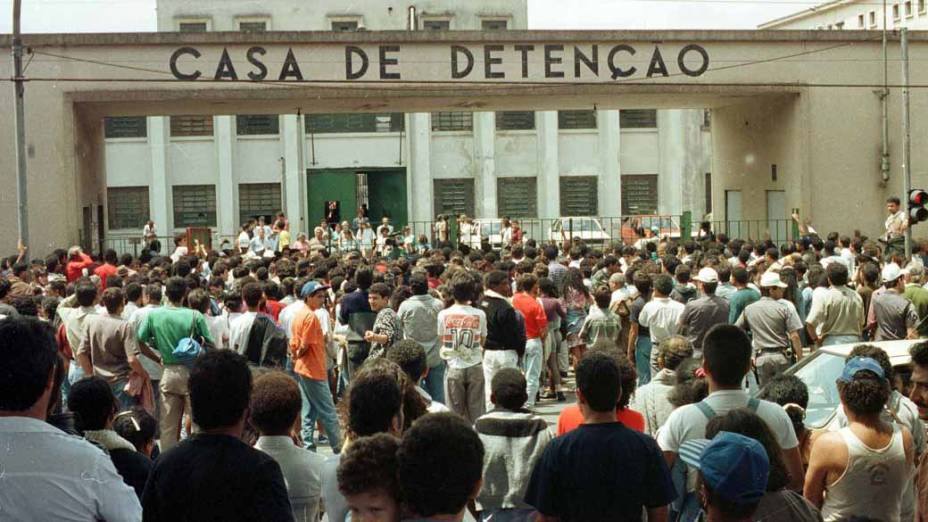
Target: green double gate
{"points": [[386, 194]]}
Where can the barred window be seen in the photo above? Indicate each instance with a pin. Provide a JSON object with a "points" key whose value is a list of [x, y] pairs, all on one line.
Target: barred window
{"points": [[344, 26], [454, 197], [452, 121], [638, 119], [194, 125], [257, 124], [356, 122], [579, 195], [258, 199], [436, 25], [707, 118], [515, 120], [639, 194], [494, 25], [126, 207], [194, 205], [192, 27], [125, 127], [576, 119], [517, 197], [252, 27]]}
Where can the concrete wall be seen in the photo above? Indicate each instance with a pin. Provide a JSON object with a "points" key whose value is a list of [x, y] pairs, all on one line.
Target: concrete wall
{"points": [[846, 15]]}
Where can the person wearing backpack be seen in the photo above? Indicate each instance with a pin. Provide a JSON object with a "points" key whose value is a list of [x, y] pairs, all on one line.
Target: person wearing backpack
{"points": [[726, 360], [163, 329]]}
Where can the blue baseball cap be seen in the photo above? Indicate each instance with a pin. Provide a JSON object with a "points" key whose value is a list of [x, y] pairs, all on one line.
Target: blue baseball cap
{"points": [[734, 467], [859, 364], [311, 288]]}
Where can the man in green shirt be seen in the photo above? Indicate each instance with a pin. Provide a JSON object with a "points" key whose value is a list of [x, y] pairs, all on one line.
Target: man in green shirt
{"points": [[162, 329], [743, 295], [915, 292]]}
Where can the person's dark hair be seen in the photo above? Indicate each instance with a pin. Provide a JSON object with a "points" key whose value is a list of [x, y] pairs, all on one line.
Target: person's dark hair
{"points": [[19, 268], [642, 283], [92, 402], [28, 356], [726, 354], [663, 283], [893, 199], [436, 443], [462, 287], [745, 422], [374, 398], [410, 356], [919, 353], [370, 464], [526, 282], [789, 389], [86, 292], [509, 389], [419, 284], [220, 388], [136, 426], [871, 273], [547, 287], [496, 278], [50, 306], [154, 293], [252, 294], [865, 394], [381, 289], [113, 299], [603, 296], [364, 278], [275, 403], [628, 379], [133, 292], [110, 256], [740, 276], [837, 274], [877, 354], [599, 379], [682, 274], [175, 288], [198, 299], [688, 388], [27, 305]]}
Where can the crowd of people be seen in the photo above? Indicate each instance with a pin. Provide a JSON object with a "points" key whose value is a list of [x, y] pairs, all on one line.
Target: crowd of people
{"points": [[199, 385]]}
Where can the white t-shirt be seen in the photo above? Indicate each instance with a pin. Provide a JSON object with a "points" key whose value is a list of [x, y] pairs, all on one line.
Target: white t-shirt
{"points": [[625, 293], [218, 330], [239, 329], [461, 331], [661, 316]]}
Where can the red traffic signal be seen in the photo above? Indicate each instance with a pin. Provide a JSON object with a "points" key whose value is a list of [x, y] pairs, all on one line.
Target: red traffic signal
{"points": [[918, 198]]}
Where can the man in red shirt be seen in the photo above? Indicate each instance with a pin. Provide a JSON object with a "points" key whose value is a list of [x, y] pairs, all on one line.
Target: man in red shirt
{"points": [[307, 351], [571, 417], [536, 325], [77, 262], [108, 268]]}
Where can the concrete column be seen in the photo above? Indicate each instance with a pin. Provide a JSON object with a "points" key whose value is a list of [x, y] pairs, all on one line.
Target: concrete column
{"points": [[549, 181], [419, 167], [485, 161], [159, 193], [294, 175], [227, 185], [610, 181], [672, 157]]}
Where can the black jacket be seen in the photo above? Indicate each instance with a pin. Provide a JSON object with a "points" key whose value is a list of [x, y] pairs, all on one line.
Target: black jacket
{"points": [[505, 328]]}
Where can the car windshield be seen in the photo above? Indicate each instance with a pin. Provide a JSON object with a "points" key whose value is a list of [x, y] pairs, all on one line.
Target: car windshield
{"points": [[491, 228], [820, 374], [581, 225]]}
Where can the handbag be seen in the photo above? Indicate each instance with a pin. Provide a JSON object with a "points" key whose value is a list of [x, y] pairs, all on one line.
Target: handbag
{"points": [[188, 348]]}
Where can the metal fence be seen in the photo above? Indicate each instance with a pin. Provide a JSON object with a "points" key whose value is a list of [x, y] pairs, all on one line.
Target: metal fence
{"points": [[603, 231]]}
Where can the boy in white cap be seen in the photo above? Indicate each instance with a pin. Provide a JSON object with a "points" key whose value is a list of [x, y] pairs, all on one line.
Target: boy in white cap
{"points": [[893, 316], [774, 327], [701, 314]]}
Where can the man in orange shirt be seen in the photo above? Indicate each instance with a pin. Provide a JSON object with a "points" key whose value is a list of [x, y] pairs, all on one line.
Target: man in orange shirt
{"points": [[536, 326], [108, 268], [307, 351]]}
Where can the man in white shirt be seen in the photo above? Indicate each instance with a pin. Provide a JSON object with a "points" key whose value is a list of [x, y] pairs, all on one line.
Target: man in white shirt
{"points": [[726, 360], [48, 474], [621, 292], [661, 315], [240, 327]]}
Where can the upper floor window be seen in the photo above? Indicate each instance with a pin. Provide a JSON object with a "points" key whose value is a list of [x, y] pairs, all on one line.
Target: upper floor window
{"points": [[576, 119], [252, 26], [193, 125], [436, 25], [345, 26], [125, 127], [860, 21], [639, 118], [494, 25], [193, 26]]}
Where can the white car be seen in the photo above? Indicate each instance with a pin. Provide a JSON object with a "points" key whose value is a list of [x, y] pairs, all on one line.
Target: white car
{"points": [[588, 229], [820, 369]]}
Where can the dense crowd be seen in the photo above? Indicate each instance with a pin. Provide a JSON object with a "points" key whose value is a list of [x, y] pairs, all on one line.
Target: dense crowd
{"points": [[198, 385]]}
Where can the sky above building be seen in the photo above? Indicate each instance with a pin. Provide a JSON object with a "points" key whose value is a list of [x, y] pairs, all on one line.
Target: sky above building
{"points": [[59, 16]]}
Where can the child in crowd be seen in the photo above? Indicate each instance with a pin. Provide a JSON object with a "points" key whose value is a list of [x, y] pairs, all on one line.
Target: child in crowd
{"points": [[367, 477], [386, 329]]}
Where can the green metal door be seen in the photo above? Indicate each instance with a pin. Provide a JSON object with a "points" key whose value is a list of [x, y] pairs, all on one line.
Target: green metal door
{"points": [[386, 195], [331, 185]]}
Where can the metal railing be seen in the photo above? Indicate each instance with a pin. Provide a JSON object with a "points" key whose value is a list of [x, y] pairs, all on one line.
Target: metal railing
{"points": [[601, 231]]}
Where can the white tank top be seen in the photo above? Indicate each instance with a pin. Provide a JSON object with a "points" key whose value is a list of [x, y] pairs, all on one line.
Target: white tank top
{"points": [[873, 483]]}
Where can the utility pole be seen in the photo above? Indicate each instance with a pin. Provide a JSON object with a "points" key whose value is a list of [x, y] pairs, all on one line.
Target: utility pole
{"points": [[19, 117], [884, 107], [906, 136]]}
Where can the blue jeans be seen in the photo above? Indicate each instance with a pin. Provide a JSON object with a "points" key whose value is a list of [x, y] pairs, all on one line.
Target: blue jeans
{"points": [[318, 404], [125, 400], [531, 364], [75, 373], [643, 359], [434, 382], [840, 339]]}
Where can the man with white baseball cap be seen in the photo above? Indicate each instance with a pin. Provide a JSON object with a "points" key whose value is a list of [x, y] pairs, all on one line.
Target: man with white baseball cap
{"points": [[892, 315], [774, 326], [701, 314]]}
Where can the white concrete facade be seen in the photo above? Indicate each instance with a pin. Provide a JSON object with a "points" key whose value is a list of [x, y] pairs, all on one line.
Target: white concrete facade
{"points": [[856, 15], [677, 150]]}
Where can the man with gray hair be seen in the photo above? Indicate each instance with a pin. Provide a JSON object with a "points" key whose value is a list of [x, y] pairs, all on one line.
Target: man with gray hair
{"points": [[621, 292], [651, 400]]}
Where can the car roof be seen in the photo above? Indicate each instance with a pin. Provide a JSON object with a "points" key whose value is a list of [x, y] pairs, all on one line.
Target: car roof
{"points": [[898, 351]]}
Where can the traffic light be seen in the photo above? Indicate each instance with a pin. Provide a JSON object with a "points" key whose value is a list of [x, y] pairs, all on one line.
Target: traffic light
{"points": [[918, 198]]}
